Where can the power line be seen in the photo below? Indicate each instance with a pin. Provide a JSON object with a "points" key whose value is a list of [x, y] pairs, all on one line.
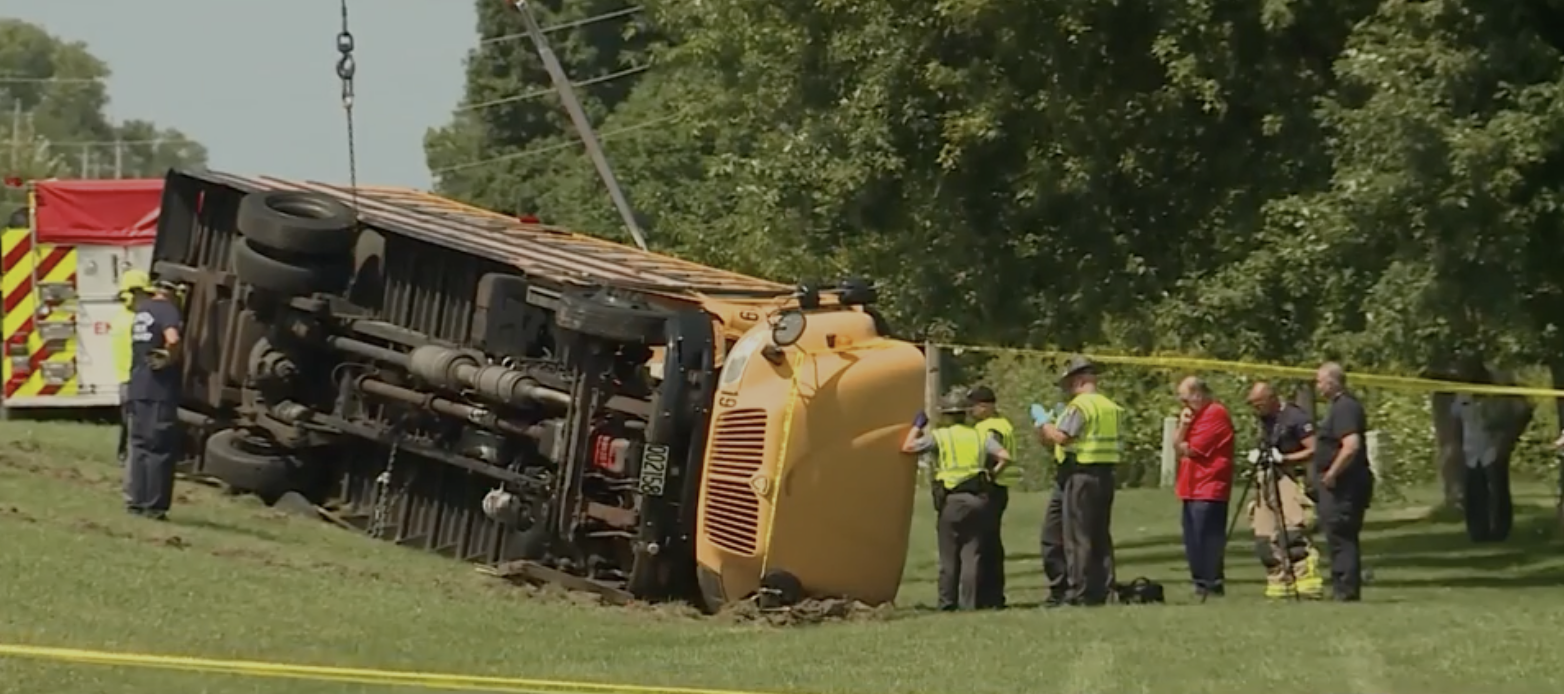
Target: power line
{"points": [[102, 143], [544, 92], [566, 25], [554, 147], [48, 80]]}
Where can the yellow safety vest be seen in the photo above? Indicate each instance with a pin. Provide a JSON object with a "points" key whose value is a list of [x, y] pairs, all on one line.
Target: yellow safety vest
{"points": [[1011, 475], [1099, 442], [119, 332], [961, 452]]}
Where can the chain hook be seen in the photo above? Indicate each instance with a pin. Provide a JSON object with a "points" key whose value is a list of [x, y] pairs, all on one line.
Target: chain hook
{"points": [[347, 69]]}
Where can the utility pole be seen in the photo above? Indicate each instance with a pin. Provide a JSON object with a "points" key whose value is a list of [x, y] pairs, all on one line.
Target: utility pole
{"points": [[578, 118], [932, 387], [86, 158], [16, 136], [119, 158]]}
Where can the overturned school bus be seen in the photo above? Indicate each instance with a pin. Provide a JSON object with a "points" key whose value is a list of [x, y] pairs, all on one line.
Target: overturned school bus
{"points": [[558, 406]]}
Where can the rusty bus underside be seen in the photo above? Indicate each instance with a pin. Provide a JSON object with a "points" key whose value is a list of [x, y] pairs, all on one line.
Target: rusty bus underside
{"points": [[418, 266]]}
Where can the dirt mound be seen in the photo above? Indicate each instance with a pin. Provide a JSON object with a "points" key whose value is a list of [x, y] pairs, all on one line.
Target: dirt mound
{"points": [[805, 613]]}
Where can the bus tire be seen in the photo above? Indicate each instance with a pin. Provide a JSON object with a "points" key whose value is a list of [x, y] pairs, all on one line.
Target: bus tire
{"points": [[779, 589], [273, 272], [608, 317], [248, 465], [295, 221]]}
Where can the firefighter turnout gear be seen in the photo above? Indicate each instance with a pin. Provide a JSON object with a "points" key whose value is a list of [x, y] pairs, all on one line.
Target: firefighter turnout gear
{"points": [[1280, 519]]}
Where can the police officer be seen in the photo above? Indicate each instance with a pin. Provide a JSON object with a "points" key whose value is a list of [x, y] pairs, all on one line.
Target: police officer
{"points": [[967, 462], [133, 287], [1077, 536], [1279, 513], [1344, 480], [991, 592], [154, 402]]}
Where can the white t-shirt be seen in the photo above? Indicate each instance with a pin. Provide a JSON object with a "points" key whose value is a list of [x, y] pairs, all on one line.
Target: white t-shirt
{"points": [[1475, 443]]}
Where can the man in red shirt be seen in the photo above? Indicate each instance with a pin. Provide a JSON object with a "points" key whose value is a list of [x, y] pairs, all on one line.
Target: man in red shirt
{"points": [[1205, 482]]}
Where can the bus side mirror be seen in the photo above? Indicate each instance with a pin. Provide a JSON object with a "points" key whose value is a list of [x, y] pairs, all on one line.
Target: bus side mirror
{"points": [[788, 328]]}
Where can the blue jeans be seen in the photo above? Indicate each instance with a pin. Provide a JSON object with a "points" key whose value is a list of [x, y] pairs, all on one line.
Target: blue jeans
{"points": [[1205, 542]]}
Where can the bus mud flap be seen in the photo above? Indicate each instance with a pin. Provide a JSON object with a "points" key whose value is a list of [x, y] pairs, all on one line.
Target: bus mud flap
{"points": [[669, 465]]}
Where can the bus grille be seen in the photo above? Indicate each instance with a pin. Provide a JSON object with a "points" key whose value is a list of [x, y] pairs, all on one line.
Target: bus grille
{"points": [[737, 453]]}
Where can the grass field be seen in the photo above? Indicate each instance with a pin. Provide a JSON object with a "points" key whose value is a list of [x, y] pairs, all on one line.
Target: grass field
{"points": [[228, 578]]}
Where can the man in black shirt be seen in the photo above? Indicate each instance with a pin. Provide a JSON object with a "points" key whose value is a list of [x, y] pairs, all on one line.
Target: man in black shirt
{"points": [[1343, 479], [153, 393]]}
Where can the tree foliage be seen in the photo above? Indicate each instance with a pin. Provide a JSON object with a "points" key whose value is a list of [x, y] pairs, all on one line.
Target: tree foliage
{"points": [[1371, 180], [52, 122]]}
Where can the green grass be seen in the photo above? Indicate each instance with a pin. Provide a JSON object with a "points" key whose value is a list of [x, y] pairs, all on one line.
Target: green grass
{"points": [[228, 578]]}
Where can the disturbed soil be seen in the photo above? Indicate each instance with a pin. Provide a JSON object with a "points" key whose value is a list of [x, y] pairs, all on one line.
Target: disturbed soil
{"points": [[24, 456]]}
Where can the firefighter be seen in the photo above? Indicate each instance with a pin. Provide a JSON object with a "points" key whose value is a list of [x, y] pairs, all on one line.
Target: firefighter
{"points": [[133, 286], [991, 592], [1279, 514], [967, 463], [156, 343], [1077, 527]]}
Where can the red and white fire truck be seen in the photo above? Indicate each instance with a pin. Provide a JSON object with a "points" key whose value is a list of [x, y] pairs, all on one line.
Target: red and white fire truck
{"points": [[63, 255]]}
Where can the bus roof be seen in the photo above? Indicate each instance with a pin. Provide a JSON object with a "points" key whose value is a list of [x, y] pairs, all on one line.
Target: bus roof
{"points": [[537, 249]]}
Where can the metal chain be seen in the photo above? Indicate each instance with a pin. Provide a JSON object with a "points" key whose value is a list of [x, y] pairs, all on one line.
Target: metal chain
{"points": [[383, 503], [346, 69]]}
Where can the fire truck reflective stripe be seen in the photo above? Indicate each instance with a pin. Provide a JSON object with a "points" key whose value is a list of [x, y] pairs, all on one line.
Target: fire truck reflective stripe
{"points": [[14, 255], [23, 344], [51, 262]]}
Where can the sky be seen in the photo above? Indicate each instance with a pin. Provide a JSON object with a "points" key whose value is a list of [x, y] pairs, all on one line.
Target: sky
{"points": [[255, 82]]}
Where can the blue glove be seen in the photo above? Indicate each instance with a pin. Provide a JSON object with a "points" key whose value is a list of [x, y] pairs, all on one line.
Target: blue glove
{"points": [[920, 421], [1040, 416]]}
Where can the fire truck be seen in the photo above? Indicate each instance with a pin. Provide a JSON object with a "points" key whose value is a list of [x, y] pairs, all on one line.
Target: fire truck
{"points": [[63, 254]]}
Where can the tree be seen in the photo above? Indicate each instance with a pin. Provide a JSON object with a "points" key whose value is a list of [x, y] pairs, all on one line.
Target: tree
{"points": [[145, 150], [510, 107], [52, 97], [1370, 180], [56, 82]]}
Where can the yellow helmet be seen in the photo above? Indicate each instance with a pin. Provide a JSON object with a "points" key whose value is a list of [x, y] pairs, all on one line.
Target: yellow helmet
{"points": [[134, 280]]}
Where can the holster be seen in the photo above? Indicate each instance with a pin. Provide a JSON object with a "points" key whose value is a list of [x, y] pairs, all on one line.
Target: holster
{"points": [[977, 485]]}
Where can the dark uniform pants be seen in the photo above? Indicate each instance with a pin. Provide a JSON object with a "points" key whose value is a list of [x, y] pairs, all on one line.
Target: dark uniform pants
{"points": [[1077, 537], [154, 443], [991, 579], [1341, 517], [963, 520], [122, 453]]}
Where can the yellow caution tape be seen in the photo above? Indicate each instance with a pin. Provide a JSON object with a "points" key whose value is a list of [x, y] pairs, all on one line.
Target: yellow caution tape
{"points": [[399, 678], [787, 434], [1271, 370]]}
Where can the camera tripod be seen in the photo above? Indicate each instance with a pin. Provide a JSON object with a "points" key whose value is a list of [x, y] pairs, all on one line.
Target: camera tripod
{"points": [[1270, 468]]}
